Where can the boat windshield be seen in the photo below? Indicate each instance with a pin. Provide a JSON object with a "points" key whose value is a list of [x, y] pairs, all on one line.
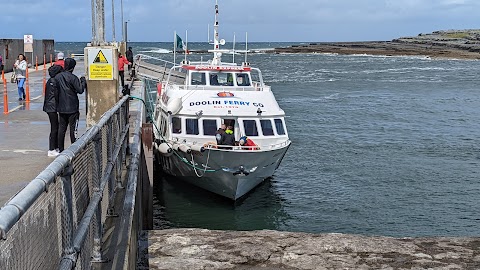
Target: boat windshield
{"points": [[243, 79], [221, 78]]}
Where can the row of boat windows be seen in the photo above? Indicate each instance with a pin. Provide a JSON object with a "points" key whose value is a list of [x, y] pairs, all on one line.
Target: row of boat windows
{"points": [[210, 126], [220, 79]]}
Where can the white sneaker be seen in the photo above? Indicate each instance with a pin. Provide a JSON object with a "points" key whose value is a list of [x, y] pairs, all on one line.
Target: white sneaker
{"points": [[53, 153]]}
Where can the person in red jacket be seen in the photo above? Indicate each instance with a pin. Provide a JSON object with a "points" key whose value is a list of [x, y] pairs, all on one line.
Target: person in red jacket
{"points": [[250, 145], [122, 61], [60, 61]]}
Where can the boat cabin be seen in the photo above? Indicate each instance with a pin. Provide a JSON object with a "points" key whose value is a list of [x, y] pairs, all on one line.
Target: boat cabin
{"points": [[206, 76]]}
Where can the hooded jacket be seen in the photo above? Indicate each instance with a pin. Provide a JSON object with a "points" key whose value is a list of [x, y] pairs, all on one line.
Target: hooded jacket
{"points": [[51, 90], [122, 61], [69, 86]]}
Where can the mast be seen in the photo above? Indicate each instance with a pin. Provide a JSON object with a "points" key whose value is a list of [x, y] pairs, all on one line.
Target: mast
{"points": [[217, 56]]}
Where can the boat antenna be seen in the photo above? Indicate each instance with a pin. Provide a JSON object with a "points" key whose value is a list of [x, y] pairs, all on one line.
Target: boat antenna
{"points": [[174, 46], [246, 46], [233, 57], [208, 34], [217, 56], [185, 50]]}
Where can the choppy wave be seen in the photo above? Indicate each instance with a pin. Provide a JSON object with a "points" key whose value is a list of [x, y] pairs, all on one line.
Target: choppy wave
{"points": [[157, 50], [369, 134]]}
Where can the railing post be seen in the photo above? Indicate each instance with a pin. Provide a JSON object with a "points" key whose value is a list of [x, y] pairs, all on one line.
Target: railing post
{"points": [[68, 253], [111, 146], [97, 219], [118, 164]]}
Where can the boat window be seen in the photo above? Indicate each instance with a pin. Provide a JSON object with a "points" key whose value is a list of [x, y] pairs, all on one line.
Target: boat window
{"points": [[176, 125], [192, 126], [198, 78], [279, 127], [250, 127], [255, 76], [243, 79], [221, 78], [267, 127], [209, 127], [229, 122]]}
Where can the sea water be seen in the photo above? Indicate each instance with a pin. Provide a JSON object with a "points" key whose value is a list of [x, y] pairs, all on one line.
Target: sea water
{"points": [[381, 146]]}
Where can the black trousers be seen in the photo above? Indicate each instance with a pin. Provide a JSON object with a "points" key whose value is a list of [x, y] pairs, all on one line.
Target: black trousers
{"points": [[70, 120], [53, 138], [122, 77]]}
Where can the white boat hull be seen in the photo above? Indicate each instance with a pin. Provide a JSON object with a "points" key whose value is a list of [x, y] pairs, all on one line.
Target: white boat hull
{"points": [[224, 175]]}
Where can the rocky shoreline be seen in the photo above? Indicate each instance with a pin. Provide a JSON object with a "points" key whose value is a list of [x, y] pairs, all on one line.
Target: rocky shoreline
{"points": [[208, 249], [457, 44]]}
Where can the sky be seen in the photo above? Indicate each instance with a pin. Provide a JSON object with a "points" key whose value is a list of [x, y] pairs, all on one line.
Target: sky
{"points": [[264, 20]]}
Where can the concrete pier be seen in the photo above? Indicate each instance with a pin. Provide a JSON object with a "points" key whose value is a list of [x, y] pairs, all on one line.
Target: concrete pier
{"points": [[205, 249], [10, 48], [24, 134]]}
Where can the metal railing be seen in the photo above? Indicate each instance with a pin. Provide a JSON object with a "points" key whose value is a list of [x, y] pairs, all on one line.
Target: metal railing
{"points": [[57, 221], [220, 88], [212, 145]]}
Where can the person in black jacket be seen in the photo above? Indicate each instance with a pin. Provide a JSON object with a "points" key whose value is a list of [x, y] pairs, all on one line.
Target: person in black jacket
{"points": [[129, 55], [228, 138], [69, 87], [50, 107]]}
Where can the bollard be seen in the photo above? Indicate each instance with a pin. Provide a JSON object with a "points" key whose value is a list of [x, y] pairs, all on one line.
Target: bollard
{"points": [[44, 61], [27, 89], [36, 63], [5, 97], [51, 60]]}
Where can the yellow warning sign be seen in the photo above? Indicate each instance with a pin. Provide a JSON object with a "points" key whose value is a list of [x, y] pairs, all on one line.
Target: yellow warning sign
{"points": [[100, 58], [100, 64], [101, 71]]}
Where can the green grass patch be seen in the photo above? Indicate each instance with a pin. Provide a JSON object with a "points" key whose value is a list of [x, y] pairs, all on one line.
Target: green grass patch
{"points": [[457, 35]]}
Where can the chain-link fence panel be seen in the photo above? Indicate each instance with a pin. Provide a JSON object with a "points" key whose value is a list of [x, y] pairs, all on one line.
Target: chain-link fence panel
{"points": [[57, 220]]}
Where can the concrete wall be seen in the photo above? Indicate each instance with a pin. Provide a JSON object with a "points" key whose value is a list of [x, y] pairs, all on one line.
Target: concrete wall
{"points": [[10, 48]]}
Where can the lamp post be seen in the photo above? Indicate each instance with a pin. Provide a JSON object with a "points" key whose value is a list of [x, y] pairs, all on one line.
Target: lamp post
{"points": [[100, 15], [123, 30], [94, 34], [113, 20], [126, 34]]}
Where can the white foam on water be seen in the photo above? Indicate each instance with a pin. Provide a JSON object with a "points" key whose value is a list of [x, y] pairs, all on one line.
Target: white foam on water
{"points": [[157, 50]]}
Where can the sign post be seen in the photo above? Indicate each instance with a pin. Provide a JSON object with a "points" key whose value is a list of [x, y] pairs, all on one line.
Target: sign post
{"points": [[28, 45], [100, 63], [103, 92]]}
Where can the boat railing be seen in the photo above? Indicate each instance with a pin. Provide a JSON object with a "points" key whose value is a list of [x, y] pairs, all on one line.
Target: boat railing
{"points": [[156, 69], [146, 57], [239, 147], [279, 145], [222, 88]]}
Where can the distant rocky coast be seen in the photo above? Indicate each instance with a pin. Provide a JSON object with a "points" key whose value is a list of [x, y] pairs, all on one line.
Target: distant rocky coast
{"points": [[458, 44]]}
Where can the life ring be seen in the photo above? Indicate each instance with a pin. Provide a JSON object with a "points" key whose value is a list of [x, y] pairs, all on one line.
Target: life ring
{"points": [[210, 145]]}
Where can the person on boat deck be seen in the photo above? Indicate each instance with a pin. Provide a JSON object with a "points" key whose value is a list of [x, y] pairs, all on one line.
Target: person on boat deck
{"points": [[219, 135], [228, 137], [244, 141], [229, 79]]}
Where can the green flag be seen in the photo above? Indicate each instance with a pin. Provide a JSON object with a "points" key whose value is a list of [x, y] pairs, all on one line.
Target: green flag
{"points": [[179, 43]]}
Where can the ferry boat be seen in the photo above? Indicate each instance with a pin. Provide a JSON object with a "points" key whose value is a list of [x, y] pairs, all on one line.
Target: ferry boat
{"points": [[195, 101]]}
